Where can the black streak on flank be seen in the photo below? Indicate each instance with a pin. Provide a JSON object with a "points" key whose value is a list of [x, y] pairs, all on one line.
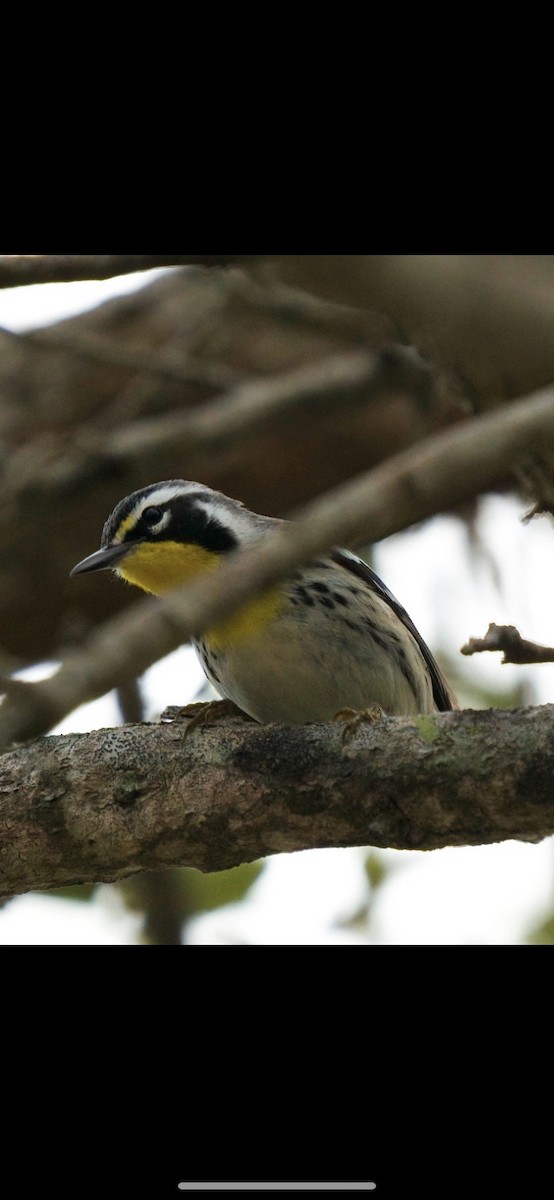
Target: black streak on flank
{"points": [[304, 597]]}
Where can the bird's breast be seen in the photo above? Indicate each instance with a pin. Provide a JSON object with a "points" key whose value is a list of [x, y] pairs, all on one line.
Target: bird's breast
{"points": [[159, 567]]}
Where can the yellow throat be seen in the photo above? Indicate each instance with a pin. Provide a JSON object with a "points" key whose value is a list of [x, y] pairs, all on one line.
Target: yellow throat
{"points": [[159, 567]]}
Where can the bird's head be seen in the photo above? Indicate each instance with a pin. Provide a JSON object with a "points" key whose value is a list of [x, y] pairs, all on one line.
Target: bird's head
{"points": [[164, 535]]}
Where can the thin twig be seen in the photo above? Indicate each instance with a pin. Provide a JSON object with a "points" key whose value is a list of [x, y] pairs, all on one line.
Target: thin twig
{"points": [[507, 638]]}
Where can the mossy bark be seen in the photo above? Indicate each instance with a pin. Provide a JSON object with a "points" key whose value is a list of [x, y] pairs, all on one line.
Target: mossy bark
{"points": [[99, 806]]}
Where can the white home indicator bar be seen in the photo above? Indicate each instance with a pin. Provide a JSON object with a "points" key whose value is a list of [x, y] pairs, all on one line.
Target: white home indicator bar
{"points": [[303, 1186]]}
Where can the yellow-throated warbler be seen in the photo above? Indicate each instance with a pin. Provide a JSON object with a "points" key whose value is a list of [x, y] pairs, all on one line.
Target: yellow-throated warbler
{"points": [[330, 637]]}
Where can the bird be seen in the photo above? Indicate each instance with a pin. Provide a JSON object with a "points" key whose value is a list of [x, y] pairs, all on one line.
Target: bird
{"points": [[330, 639]]}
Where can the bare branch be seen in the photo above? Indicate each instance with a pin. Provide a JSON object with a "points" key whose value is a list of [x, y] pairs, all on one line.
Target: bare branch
{"points": [[106, 352], [443, 470], [88, 807], [487, 318], [130, 701], [507, 638], [162, 897], [17, 270], [336, 383]]}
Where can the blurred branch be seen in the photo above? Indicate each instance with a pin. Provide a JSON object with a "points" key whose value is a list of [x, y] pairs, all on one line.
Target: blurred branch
{"points": [[9, 663], [130, 701], [162, 898], [507, 638], [102, 350], [440, 472], [487, 318], [338, 382], [19, 269], [103, 805], [334, 383]]}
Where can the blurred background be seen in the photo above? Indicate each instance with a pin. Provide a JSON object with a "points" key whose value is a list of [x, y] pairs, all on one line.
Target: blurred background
{"points": [[87, 370]]}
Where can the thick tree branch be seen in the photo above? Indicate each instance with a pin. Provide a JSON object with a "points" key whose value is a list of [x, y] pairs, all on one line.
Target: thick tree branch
{"points": [[17, 270], [508, 639], [487, 318], [442, 471], [98, 806]]}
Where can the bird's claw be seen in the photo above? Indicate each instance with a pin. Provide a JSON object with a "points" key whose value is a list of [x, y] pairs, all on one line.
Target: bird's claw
{"points": [[202, 713], [354, 717]]}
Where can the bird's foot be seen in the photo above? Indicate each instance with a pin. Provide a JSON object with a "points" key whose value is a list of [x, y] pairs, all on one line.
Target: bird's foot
{"points": [[354, 717], [202, 712]]}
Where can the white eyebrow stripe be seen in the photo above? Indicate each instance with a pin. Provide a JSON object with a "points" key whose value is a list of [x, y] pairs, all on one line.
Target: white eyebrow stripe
{"points": [[160, 496], [154, 499]]}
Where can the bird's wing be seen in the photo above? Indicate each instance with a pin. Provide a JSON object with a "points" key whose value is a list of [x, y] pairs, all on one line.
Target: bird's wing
{"points": [[443, 695]]}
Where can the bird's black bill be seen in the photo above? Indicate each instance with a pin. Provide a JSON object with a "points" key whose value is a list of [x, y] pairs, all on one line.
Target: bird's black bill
{"points": [[101, 560]]}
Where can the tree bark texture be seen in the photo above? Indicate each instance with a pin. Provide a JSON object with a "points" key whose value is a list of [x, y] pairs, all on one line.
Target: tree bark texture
{"points": [[92, 807]]}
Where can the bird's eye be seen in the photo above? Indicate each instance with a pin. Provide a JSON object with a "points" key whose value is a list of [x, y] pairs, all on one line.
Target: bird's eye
{"points": [[152, 516]]}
